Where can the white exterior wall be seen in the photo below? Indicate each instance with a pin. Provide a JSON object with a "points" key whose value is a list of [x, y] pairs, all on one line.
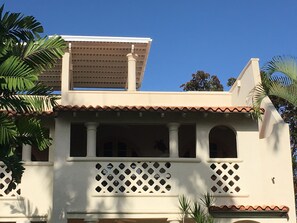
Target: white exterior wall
{"points": [[190, 177], [247, 79], [35, 201], [138, 98]]}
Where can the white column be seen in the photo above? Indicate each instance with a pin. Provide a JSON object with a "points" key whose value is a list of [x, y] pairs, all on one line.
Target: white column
{"points": [[173, 139], [26, 152], [132, 71], [91, 138]]}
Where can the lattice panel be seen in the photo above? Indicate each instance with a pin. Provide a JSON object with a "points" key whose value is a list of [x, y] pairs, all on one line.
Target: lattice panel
{"points": [[225, 178], [133, 178], [5, 178]]}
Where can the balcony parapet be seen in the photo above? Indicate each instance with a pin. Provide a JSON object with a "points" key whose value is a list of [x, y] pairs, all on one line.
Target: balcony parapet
{"points": [[137, 98]]}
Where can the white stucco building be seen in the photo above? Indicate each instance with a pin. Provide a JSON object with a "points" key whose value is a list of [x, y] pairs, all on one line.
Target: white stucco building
{"points": [[120, 155]]}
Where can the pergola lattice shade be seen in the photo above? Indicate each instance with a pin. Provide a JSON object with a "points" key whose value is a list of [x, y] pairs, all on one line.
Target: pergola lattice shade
{"points": [[100, 62]]}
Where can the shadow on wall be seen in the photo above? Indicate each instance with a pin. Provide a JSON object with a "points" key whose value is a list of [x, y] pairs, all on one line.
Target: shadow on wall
{"points": [[73, 193], [27, 208]]}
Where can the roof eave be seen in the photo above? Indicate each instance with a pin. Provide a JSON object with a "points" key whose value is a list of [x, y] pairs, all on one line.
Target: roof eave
{"points": [[70, 38]]}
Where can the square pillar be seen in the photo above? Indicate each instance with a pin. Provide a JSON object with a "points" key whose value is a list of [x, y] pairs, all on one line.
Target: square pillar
{"points": [[26, 152]]}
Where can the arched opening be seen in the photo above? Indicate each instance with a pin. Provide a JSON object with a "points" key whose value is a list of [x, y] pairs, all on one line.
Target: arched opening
{"points": [[222, 142]]}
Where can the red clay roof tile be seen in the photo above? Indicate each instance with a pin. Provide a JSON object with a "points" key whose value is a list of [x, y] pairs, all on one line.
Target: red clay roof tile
{"points": [[242, 208], [238, 109]]}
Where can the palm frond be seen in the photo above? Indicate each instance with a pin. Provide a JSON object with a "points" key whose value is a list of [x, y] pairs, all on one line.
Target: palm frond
{"points": [[207, 200], [284, 64], [13, 163], [198, 214], [184, 204], [8, 130], [18, 76], [284, 90], [31, 132], [16, 26], [23, 56], [39, 89], [43, 94], [13, 103], [279, 79], [43, 53], [39, 103]]}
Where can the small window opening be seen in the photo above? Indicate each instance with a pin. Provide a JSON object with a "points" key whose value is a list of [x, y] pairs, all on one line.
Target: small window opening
{"points": [[78, 140], [187, 141], [222, 142], [40, 155]]}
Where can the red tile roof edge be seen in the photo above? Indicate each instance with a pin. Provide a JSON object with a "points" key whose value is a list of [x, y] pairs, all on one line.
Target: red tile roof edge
{"points": [[249, 208], [238, 109], [64, 108]]}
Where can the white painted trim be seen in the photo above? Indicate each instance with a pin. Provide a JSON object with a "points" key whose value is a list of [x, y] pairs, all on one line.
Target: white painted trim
{"points": [[154, 92], [133, 159], [135, 195], [36, 163], [14, 198], [70, 38], [230, 195], [224, 160]]}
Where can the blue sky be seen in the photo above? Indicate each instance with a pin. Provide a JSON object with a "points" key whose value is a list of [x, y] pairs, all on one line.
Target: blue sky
{"points": [[216, 36]]}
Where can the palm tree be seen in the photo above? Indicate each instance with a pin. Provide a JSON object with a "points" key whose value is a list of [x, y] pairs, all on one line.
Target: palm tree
{"points": [[279, 79], [23, 56]]}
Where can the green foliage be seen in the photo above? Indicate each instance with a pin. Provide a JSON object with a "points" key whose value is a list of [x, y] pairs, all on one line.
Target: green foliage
{"points": [[23, 56], [198, 212], [231, 81], [184, 206], [202, 81], [207, 200], [8, 129], [279, 79]]}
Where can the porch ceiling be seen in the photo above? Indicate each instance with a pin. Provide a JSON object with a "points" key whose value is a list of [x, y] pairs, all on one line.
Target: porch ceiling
{"points": [[100, 62]]}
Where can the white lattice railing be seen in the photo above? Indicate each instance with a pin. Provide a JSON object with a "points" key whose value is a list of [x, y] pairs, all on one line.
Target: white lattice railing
{"points": [[133, 177], [5, 178], [225, 178]]}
